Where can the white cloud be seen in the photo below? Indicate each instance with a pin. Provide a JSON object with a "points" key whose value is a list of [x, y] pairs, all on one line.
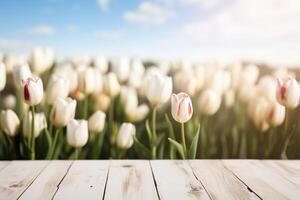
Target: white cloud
{"points": [[208, 4], [149, 14], [103, 4], [8, 44], [41, 30], [256, 20], [251, 28]]}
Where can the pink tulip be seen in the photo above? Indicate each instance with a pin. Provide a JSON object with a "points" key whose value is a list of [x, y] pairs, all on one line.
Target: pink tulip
{"points": [[288, 92], [32, 89], [181, 107]]}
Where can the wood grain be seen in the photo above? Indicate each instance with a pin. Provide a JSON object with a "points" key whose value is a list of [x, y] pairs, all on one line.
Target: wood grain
{"points": [[219, 181], [131, 179], [17, 176], [288, 169], [3, 164], [45, 185], [85, 179], [264, 181], [175, 180]]}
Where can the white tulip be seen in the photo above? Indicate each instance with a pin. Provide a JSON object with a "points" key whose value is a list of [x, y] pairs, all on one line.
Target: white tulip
{"points": [[67, 72], [40, 123], [246, 92], [129, 101], [158, 88], [96, 122], [9, 122], [9, 101], [32, 91], [164, 66], [102, 102], [2, 76], [200, 76], [188, 85], [144, 84], [20, 73], [259, 113], [249, 75], [121, 67], [57, 87], [63, 111], [98, 82], [209, 102], [288, 92], [267, 87], [219, 81], [111, 85], [87, 80], [275, 114], [10, 60], [101, 63], [229, 98], [125, 136], [235, 71], [81, 60], [42, 59], [77, 133], [136, 73], [137, 114]]}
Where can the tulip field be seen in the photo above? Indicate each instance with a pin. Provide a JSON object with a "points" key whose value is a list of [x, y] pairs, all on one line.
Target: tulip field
{"points": [[129, 108]]}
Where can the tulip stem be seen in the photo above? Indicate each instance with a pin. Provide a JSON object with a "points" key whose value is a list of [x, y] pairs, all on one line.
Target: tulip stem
{"points": [[76, 153], [86, 107], [286, 123], [153, 151], [52, 149], [111, 118], [32, 139], [183, 138]]}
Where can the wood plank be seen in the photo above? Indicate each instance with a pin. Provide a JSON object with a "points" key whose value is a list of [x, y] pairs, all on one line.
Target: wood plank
{"points": [[288, 169], [86, 179], [219, 182], [3, 164], [263, 181], [130, 179], [17, 176], [45, 185], [175, 180]]}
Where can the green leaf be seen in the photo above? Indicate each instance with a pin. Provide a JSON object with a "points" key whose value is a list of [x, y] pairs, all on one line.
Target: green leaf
{"points": [[171, 135], [170, 127], [160, 139], [148, 131], [49, 139], [141, 146], [161, 148], [178, 147], [194, 145]]}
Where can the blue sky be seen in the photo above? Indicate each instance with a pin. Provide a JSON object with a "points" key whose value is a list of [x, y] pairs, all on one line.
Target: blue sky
{"points": [[225, 29]]}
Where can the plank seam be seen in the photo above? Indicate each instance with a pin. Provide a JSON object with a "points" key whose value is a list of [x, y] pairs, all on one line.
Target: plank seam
{"points": [[248, 188], [107, 175], [189, 164], [155, 183], [33, 180], [58, 185]]}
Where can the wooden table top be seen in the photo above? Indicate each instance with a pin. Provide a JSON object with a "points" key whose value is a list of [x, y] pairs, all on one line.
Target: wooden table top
{"points": [[144, 179]]}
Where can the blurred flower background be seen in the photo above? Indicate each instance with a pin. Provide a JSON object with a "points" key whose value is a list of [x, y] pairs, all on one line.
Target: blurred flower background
{"points": [[159, 79]]}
